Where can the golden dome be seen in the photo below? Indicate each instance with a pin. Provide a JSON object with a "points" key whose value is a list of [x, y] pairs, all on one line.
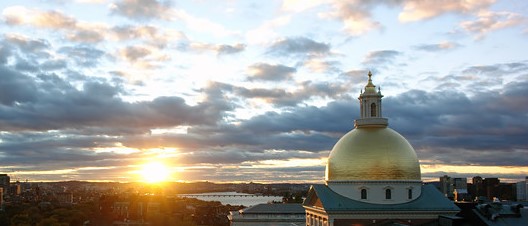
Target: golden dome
{"points": [[372, 153]]}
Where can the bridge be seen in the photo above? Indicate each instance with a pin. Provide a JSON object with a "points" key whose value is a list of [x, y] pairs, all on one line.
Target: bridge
{"points": [[217, 195]]}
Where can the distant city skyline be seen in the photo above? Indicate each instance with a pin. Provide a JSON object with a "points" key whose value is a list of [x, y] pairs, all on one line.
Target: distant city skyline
{"points": [[240, 91]]}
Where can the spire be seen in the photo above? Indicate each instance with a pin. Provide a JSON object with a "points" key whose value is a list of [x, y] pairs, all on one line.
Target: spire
{"points": [[370, 106], [370, 87], [370, 80]]}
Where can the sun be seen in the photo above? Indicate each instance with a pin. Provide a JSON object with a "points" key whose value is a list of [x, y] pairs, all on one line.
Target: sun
{"points": [[154, 172]]}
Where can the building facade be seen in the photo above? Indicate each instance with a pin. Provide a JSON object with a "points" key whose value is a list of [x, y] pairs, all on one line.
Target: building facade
{"points": [[522, 190], [373, 176], [282, 214]]}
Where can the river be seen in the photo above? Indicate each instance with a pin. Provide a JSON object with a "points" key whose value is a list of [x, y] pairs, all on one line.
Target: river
{"points": [[233, 198]]}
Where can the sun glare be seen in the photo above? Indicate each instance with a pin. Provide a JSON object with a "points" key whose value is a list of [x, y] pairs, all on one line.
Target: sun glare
{"points": [[154, 172]]}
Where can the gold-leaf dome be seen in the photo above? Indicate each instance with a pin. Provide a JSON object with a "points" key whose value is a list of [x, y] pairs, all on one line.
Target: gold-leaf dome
{"points": [[372, 153]]}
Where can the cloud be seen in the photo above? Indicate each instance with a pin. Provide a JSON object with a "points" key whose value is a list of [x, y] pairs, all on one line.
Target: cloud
{"points": [[19, 15], [416, 10], [280, 97], [269, 72], [491, 21], [75, 31], [142, 9], [299, 46], [440, 125], [82, 55], [267, 30], [151, 35], [15, 88], [27, 45], [299, 6], [202, 24], [133, 53], [495, 70], [221, 49], [450, 121], [356, 76], [87, 35], [381, 57], [51, 103], [230, 49], [442, 46], [142, 57], [322, 66]]}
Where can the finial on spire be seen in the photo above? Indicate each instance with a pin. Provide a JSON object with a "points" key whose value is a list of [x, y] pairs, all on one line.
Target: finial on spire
{"points": [[369, 84]]}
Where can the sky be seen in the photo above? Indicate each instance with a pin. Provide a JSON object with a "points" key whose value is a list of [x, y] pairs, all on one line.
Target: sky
{"points": [[240, 91]]}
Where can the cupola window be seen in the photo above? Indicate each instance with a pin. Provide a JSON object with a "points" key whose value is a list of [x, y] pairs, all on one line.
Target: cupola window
{"points": [[409, 193], [388, 193], [373, 110], [363, 193]]}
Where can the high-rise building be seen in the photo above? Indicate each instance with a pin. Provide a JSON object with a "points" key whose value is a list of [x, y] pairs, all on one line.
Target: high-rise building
{"points": [[1, 198], [477, 187], [491, 185], [373, 177], [522, 190], [446, 186], [5, 182]]}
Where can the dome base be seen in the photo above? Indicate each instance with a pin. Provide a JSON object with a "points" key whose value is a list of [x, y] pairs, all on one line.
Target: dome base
{"points": [[400, 191], [371, 122]]}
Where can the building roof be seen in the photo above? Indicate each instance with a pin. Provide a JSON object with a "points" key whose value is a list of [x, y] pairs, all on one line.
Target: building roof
{"points": [[377, 153], [279, 208], [500, 214], [430, 200]]}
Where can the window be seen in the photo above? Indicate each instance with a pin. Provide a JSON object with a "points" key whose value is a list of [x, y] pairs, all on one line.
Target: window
{"points": [[373, 110], [363, 193], [409, 193], [388, 194]]}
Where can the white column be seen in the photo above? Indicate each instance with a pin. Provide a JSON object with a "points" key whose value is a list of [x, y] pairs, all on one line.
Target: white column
{"points": [[330, 222]]}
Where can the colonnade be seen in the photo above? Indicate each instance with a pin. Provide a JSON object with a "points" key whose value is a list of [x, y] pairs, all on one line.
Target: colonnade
{"points": [[317, 220]]}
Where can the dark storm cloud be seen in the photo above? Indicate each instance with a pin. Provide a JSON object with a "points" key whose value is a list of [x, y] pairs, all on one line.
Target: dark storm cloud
{"points": [[142, 9], [299, 46], [269, 72], [5, 53], [48, 102], [309, 129], [448, 127], [448, 124], [15, 88]]}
